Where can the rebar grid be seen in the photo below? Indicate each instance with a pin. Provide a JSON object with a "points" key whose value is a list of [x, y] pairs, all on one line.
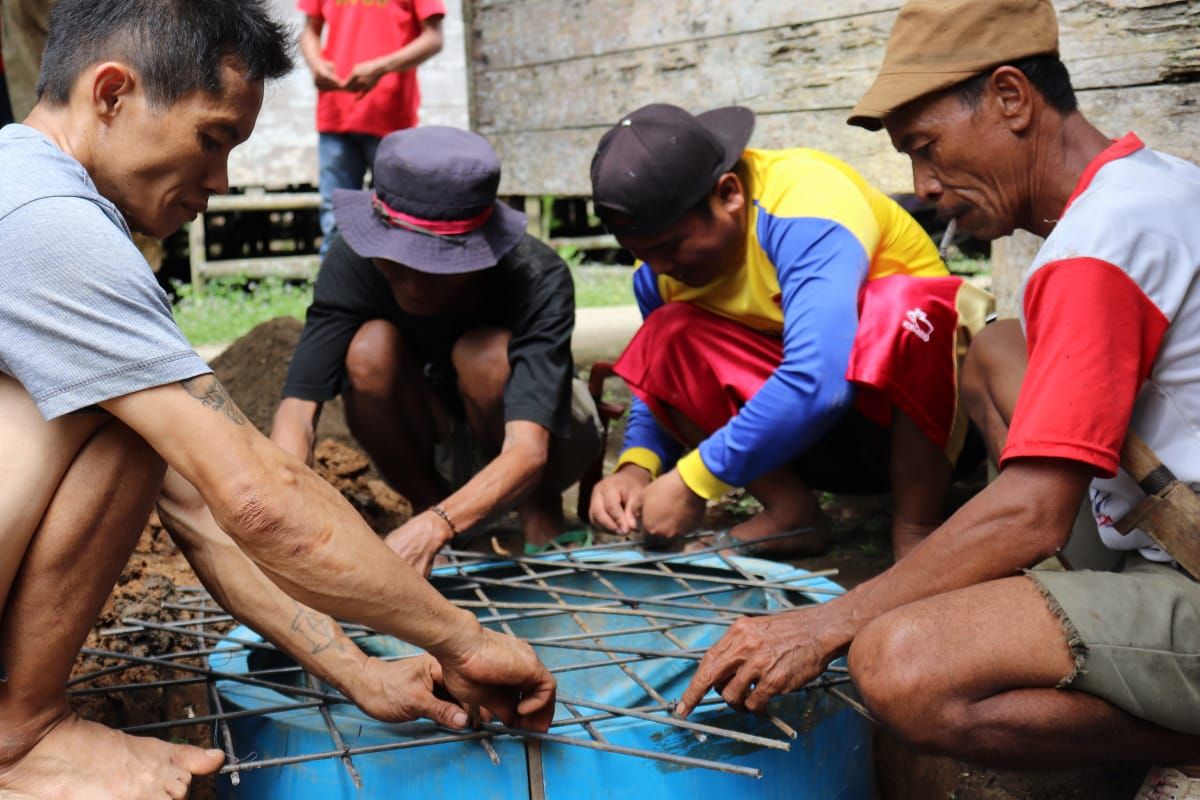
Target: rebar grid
{"points": [[302, 691]]}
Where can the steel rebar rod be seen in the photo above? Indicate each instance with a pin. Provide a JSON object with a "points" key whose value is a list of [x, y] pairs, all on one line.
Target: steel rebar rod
{"points": [[617, 545], [172, 683], [508, 629], [493, 728], [623, 569], [666, 601], [149, 727], [229, 676], [850, 701], [689, 654], [580, 719], [607, 747], [335, 735], [676, 722], [252, 644], [785, 601], [612, 587], [223, 728], [599, 608], [774, 719], [118, 668], [100, 673], [612, 659], [301, 705], [631, 568]]}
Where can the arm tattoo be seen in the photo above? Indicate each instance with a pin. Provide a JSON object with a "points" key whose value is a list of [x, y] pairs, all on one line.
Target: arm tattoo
{"points": [[318, 630], [209, 391]]}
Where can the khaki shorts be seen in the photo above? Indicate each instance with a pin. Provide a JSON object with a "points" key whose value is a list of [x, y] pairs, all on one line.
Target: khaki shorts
{"points": [[460, 457], [1136, 638]]}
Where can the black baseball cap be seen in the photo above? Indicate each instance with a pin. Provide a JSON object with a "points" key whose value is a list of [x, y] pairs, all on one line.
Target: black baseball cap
{"points": [[657, 163]]}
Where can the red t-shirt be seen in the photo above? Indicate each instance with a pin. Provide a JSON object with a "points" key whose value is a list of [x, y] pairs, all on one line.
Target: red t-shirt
{"points": [[357, 31]]}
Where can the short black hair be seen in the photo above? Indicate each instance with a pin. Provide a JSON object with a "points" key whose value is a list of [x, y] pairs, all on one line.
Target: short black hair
{"points": [[177, 46], [1047, 74]]}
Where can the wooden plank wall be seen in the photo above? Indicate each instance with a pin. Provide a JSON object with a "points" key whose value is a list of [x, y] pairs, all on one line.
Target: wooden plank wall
{"points": [[549, 76]]}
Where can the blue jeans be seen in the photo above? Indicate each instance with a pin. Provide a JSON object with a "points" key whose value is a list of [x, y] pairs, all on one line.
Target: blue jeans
{"points": [[344, 159]]}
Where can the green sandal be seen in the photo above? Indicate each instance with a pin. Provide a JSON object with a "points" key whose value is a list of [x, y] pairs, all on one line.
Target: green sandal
{"points": [[577, 538]]}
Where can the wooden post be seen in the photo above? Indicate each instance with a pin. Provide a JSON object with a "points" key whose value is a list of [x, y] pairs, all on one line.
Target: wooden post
{"points": [[197, 253], [1011, 256]]}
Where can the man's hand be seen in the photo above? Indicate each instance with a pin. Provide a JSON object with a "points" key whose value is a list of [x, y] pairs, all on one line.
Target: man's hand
{"points": [[670, 509], [325, 77], [502, 674], [419, 540], [617, 500], [759, 658], [399, 691], [364, 76]]}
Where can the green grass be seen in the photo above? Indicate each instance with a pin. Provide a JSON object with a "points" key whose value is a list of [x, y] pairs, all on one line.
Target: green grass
{"points": [[597, 286], [229, 307], [961, 265]]}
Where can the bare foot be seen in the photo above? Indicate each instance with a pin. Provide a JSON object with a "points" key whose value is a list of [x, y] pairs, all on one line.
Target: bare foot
{"points": [[81, 760], [540, 522], [769, 538]]}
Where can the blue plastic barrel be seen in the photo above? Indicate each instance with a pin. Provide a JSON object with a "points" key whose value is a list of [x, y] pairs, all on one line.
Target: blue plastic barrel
{"points": [[830, 759]]}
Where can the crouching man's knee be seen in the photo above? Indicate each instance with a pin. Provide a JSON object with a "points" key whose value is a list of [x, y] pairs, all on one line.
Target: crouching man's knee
{"points": [[995, 360], [480, 358], [373, 360], [891, 662]]}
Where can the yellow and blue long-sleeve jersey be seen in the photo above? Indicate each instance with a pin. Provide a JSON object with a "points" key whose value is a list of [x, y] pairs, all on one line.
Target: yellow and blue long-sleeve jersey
{"points": [[816, 231]]}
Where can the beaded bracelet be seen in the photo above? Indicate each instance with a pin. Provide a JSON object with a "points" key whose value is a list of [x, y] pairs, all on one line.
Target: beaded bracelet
{"points": [[441, 512]]}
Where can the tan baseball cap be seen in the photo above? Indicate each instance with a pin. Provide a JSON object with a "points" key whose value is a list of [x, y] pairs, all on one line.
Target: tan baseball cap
{"points": [[936, 44]]}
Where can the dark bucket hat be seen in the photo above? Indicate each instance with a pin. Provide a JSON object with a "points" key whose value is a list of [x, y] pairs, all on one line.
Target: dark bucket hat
{"points": [[434, 205]]}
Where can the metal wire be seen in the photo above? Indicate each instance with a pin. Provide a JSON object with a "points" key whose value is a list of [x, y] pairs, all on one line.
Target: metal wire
{"points": [[664, 615]]}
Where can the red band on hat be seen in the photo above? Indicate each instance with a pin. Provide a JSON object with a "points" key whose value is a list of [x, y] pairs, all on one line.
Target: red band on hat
{"points": [[442, 227]]}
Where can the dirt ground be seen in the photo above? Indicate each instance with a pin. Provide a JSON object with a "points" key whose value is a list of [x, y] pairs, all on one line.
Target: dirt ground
{"points": [[253, 369]]}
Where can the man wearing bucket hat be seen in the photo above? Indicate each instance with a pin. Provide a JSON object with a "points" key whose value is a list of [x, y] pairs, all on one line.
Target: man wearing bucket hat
{"points": [[950, 650], [447, 330], [752, 351]]}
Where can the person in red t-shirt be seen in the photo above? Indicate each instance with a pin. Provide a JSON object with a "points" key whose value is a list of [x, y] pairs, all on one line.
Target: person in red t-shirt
{"points": [[366, 81]]}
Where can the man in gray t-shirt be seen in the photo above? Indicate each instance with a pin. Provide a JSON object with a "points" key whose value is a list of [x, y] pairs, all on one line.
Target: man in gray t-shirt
{"points": [[140, 104]]}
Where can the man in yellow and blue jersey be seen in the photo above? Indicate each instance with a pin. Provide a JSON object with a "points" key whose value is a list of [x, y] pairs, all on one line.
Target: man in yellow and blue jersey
{"points": [[800, 331]]}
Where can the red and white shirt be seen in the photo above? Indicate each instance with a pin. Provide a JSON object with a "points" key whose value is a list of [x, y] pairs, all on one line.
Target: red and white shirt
{"points": [[1111, 312]]}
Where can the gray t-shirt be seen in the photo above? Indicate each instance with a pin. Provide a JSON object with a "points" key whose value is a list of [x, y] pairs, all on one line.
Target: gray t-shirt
{"points": [[82, 317]]}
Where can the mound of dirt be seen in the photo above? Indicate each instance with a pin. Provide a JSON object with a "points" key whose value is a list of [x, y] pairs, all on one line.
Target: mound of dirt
{"points": [[253, 370], [349, 471], [254, 367]]}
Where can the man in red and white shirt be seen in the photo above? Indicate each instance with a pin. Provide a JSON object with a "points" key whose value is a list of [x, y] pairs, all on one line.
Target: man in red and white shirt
{"points": [[953, 649], [366, 79]]}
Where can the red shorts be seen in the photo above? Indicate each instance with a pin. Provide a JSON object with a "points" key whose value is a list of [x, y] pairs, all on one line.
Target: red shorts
{"points": [[699, 363], [905, 356]]}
